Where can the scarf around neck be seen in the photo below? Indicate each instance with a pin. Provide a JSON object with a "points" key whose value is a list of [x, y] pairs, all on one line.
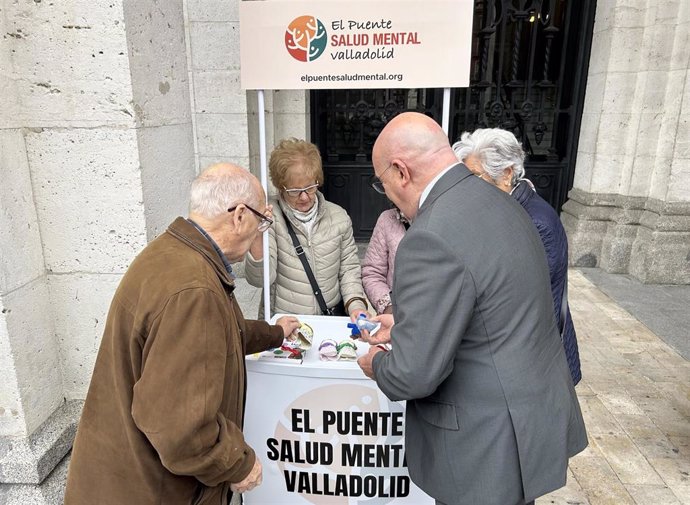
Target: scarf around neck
{"points": [[306, 218]]}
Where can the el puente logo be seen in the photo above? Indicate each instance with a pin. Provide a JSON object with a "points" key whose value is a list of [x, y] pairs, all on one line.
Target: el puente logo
{"points": [[305, 38]]}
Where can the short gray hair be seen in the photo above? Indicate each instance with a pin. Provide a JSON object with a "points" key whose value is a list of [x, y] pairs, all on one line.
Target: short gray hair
{"points": [[213, 193], [495, 149]]}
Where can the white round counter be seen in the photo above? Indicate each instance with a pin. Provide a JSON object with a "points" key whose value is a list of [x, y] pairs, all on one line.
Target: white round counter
{"points": [[324, 432]]}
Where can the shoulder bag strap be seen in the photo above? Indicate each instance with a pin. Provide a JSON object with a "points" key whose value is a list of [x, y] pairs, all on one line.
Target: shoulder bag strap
{"points": [[307, 269]]}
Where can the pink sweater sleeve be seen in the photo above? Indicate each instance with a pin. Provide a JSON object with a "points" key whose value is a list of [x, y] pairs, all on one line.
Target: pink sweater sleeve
{"points": [[377, 267]]}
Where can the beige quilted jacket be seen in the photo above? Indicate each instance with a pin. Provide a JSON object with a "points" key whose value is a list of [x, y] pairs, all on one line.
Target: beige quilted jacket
{"points": [[332, 255]]}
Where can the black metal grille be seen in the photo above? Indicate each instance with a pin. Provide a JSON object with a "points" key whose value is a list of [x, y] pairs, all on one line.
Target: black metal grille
{"points": [[528, 72], [515, 72], [354, 118]]}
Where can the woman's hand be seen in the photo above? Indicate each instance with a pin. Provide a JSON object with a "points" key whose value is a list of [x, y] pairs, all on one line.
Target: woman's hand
{"points": [[354, 315], [257, 247]]}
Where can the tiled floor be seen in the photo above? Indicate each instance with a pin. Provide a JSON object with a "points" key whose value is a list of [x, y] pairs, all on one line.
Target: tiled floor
{"points": [[635, 397]]}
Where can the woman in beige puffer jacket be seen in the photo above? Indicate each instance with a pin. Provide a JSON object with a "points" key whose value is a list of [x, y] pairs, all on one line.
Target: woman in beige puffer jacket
{"points": [[323, 229]]}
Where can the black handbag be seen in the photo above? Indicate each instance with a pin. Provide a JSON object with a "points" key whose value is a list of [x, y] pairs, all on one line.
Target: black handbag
{"points": [[339, 308]]}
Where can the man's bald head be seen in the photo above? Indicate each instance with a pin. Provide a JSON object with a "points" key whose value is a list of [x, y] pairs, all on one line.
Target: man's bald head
{"points": [[410, 151], [222, 186], [415, 139]]}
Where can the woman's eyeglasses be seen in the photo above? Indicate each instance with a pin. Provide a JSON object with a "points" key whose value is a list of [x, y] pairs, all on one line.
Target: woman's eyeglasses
{"points": [[264, 222], [297, 192]]}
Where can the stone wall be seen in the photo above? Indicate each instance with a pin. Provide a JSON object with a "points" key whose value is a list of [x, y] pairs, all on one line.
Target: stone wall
{"points": [[31, 386], [219, 104], [96, 157], [225, 115], [629, 210], [286, 114]]}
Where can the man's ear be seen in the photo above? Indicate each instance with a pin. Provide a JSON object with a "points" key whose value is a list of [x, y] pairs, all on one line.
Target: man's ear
{"points": [[238, 216], [403, 173]]}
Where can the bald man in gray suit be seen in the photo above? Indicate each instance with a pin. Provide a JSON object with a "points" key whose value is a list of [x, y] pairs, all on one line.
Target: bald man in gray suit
{"points": [[492, 415]]}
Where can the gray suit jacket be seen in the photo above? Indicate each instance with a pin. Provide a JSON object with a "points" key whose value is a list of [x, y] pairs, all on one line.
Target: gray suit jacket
{"points": [[492, 415]]}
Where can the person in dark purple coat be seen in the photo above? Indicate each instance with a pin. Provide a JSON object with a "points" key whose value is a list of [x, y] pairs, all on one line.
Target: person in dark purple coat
{"points": [[496, 156]]}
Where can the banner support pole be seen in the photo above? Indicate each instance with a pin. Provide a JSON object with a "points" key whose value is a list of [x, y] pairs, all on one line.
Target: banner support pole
{"points": [[264, 184], [446, 110]]}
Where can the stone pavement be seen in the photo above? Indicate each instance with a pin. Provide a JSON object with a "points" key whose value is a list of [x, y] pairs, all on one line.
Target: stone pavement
{"points": [[635, 398], [664, 309]]}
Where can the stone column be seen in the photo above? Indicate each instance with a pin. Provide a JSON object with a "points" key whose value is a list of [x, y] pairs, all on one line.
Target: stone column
{"points": [[36, 424], [96, 152], [629, 209], [219, 103], [287, 115], [291, 111], [226, 116]]}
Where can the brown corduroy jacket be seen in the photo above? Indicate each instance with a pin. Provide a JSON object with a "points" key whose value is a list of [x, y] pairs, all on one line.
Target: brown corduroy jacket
{"points": [[162, 422]]}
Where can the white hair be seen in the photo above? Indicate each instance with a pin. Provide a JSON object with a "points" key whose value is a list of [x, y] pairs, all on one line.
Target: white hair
{"points": [[213, 193], [495, 149]]}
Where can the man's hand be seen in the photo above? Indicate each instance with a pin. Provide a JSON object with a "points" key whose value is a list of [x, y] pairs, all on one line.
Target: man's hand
{"points": [[383, 335], [250, 481], [366, 361], [289, 324]]}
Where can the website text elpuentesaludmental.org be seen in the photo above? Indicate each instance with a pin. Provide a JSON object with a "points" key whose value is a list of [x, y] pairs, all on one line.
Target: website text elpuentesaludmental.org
{"points": [[352, 77]]}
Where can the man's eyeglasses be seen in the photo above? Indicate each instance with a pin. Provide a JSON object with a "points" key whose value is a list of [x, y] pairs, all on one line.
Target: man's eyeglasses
{"points": [[376, 182], [264, 222], [296, 192]]}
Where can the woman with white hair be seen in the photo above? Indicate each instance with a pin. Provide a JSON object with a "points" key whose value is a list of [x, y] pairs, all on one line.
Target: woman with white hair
{"points": [[496, 156]]}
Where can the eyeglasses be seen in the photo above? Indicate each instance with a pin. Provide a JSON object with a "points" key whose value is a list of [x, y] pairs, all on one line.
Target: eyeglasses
{"points": [[264, 222], [296, 192], [376, 182]]}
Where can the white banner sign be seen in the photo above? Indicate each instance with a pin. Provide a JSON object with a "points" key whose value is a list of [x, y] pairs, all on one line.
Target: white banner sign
{"points": [[325, 434], [355, 44]]}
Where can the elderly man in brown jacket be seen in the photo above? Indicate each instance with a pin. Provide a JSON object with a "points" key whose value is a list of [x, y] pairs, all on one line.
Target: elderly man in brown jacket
{"points": [[162, 422]]}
